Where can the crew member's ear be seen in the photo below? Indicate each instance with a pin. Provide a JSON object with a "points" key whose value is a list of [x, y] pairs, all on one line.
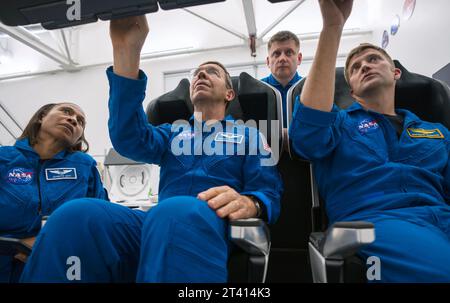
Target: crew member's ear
{"points": [[397, 73], [267, 61], [230, 95], [300, 58]]}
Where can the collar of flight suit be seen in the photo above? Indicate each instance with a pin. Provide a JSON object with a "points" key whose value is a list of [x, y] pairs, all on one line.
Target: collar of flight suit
{"points": [[274, 82], [24, 144], [409, 117]]}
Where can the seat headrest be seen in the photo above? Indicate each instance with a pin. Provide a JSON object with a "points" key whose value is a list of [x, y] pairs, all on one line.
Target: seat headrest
{"points": [[257, 100], [253, 100], [426, 97], [171, 106]]}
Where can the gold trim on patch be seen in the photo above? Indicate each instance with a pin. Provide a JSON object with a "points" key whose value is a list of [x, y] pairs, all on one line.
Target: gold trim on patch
{"points": [[425, 133]]}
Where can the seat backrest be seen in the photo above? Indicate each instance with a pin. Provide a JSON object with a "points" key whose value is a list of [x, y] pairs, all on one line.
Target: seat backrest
{"points": [[253, 101], [426, 97]]}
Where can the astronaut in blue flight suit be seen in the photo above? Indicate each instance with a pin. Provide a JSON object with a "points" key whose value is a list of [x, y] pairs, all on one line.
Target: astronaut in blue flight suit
{"points": [[283, 58], [46, 167], [374, 162], [211, 171]]}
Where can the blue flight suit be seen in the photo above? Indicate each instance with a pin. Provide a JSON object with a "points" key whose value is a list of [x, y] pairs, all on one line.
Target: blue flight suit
{"points": [[283, 90], [402, 185], [179, 240], [31, 188]]}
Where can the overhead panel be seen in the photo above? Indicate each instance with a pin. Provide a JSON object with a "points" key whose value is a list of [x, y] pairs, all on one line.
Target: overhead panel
{"points": [[63, 13], [172, 4], [58, 14]]}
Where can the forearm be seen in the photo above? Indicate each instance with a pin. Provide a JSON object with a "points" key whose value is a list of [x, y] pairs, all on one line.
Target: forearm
{"points": [[318, 92], [126, 61]]}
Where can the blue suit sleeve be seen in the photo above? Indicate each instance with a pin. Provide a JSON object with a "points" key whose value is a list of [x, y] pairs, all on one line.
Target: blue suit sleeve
{"points": [[131, 134], [447, 173], [95, 188], [262, 179], [315, 133]]}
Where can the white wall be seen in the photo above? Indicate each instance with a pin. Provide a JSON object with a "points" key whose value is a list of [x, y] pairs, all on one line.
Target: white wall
{"points": [[422, 43]]}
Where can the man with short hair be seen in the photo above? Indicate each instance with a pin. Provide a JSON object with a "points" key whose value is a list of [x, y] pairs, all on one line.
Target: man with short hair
{"points": [[374, 162], [211, 171], [283, 58]]}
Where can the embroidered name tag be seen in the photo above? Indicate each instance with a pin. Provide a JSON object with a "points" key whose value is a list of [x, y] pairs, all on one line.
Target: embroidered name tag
{"points": [[53, 174], [229, 137], [186, 135], [19, 176], [425, 133]]}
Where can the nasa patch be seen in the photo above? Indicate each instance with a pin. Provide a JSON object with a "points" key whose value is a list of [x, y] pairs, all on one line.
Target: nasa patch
{"points": [[367, 126], [19, 176]]}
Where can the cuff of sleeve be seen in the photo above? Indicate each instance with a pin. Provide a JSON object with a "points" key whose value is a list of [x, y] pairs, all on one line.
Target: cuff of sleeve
{"points": [[122, 86], [267, 206], [304, 114]]}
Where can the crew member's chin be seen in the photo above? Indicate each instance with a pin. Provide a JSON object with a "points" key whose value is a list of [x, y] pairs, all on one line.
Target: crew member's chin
{"points": [[200, 97]]}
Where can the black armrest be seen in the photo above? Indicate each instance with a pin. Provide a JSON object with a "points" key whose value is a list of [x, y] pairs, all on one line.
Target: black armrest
{"points": [[328, 250], [253, 237], [12, 246]]}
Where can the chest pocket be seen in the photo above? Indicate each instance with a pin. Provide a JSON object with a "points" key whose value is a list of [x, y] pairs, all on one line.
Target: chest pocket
{"points": [[15, 189], [367, 139], [227, 167], [59, 185], [20, 195], [429, 153]]}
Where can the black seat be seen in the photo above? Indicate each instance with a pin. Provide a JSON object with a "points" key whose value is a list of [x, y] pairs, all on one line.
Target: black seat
{"points": [[254, 101], [331, 259]]}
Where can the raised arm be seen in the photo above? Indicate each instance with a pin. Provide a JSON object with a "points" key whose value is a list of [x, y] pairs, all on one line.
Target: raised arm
{"points": [[318, 92], [130, 133], [128, 37]]}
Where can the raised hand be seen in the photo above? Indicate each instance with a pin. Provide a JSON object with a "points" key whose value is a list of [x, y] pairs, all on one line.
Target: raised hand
{"points": [[128, 37], [335, 12], [129, 32]]}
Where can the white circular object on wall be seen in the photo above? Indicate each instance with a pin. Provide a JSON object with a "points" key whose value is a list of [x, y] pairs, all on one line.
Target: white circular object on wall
{"points": [[132, 180]]}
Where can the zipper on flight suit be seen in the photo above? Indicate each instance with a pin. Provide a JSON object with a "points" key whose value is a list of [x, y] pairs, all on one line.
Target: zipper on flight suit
{"points": [[39, 188]]}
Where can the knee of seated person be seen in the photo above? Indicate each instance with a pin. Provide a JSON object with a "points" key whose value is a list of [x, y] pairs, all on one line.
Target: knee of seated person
{"points": [[77, 211], [182, 207]]}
